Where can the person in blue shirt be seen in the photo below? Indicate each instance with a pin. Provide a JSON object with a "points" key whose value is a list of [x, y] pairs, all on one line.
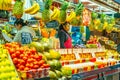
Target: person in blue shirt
{"points": [[24, 34]]}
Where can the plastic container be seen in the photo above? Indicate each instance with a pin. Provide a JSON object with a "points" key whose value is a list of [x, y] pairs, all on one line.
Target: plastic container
{"points": [[34, 74]]}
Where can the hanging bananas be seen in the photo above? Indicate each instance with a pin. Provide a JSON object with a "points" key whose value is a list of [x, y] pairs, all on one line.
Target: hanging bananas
{"points": [[71, 16], [55, 14], [33, 9]]}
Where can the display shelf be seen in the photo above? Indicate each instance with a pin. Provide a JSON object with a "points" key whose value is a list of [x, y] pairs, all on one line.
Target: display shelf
{"points": [[98, 71]]}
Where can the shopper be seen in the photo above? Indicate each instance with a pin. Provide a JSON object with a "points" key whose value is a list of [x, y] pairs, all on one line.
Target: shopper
{"points": [[64, 36], [24, 34]]}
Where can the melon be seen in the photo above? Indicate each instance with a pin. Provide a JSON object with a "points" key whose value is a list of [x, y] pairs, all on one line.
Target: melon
{"points": [[58, 65], [38, 46], [52, 75], [47, 55], [52, 65], [58, 73]]}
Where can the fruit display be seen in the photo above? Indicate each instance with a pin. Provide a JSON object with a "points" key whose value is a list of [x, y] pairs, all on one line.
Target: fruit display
{"points": [[63, 13], [33, 9], [93, 42], [7, 69], [27, 61], [46, 11], [5, 4], [18, 9]]}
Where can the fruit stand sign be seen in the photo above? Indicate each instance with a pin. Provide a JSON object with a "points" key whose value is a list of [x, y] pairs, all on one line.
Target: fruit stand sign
{"points": [[52, 24]]}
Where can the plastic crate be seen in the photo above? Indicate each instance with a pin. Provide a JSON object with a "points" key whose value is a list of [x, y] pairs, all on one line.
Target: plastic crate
{"points": [[34, 74]]}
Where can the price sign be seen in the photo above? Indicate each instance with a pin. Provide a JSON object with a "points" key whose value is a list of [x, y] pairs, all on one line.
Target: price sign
{"points": [[52, 24]]}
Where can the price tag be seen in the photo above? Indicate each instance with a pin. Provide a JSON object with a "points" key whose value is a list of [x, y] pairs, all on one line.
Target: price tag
{"points": [[52, 24]]}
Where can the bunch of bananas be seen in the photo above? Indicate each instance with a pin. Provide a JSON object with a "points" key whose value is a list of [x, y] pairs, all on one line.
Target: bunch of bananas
{"points": [[55, 14], [33, 9], [5, 4], [71, 16]]}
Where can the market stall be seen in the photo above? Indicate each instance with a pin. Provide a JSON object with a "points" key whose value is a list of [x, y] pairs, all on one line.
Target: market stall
{"points": [[94, 33]]}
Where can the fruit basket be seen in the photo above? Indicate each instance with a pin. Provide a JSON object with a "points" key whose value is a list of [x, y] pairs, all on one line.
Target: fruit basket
{"points": [[34, 74]]}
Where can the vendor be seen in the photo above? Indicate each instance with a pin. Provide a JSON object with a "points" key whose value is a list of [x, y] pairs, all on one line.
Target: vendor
{"points": [[64, 36], [24, 34]]}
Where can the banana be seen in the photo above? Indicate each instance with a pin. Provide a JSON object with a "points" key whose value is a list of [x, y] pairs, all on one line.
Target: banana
{"points": [[55, 14], [35, 10], [28, 10], [71, 16]]}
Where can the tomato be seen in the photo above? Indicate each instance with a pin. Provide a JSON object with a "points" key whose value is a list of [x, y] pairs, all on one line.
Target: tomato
{"points": [[41, 62], [21, 50], [13, 56], [46, 65], [21, 56], [22, 62], [30, 60], [31, 56], [31, 66], [40, 57], [18, 65], [33, 50], [36, 66], [7, 45], [25, 58], [36, 63], [36, 57], [27, 65], [26, 69], [29, 53], [15, 60], [17, 53], [11, 51], [42, 67], [21, 67]]}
